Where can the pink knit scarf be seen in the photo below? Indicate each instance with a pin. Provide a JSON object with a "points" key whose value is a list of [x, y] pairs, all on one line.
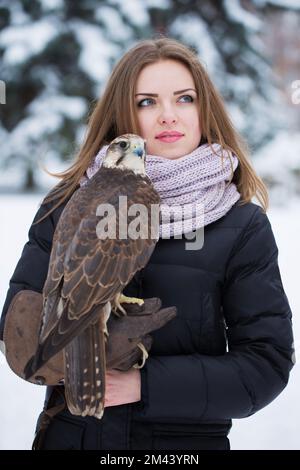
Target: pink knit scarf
{"points": [[192, 188]]}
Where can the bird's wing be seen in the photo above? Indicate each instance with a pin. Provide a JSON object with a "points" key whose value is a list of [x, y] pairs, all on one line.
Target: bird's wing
{"points": [[67, 227], [86, 270]]}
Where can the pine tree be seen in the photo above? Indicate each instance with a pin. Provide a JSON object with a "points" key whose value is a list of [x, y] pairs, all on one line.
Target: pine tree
{"points": [[229, 38], [56, 56]]}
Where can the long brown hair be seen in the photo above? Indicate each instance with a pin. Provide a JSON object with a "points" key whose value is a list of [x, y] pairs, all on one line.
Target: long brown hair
{"points": [[115, 114]]}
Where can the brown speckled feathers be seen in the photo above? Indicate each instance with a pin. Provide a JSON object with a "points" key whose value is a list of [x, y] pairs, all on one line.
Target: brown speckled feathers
{"points": [[85, 274]]}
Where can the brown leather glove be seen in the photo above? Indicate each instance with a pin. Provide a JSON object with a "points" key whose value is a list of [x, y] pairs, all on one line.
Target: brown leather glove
{"points": [[128, 342], [131, 333]]}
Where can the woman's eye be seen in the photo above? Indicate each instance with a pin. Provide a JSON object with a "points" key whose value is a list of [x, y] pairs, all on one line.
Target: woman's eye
{"points": [[142, 101], [187, 96], [143, 105]]}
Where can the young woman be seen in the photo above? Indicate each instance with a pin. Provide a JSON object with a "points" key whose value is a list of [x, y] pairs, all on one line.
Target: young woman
{"points": [[228, 352]]}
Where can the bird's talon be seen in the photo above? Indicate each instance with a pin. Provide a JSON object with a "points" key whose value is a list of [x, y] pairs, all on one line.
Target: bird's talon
{"points": [[145, 356], [121, 298], [131, 300]]}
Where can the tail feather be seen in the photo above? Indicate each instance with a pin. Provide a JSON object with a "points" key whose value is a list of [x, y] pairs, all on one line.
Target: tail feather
{"points": [[85, 372]]}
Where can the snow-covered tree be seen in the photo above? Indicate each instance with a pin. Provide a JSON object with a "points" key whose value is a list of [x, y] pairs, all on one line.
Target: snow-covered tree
{"points": [[229, 38], [56, 56]]}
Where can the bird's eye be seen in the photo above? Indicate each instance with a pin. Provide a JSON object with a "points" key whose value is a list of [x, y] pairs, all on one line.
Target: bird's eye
{"points": [[123, 144]]}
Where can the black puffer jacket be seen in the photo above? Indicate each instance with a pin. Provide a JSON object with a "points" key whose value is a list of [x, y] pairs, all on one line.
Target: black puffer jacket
{"points": [[227, 354]]}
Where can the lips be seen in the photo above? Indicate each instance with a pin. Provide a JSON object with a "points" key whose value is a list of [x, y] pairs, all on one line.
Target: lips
{"points": [[169, 137], [169, 134]]}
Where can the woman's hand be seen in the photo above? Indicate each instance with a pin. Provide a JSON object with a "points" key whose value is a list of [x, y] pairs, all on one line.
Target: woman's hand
{"points": [[122, 387]]}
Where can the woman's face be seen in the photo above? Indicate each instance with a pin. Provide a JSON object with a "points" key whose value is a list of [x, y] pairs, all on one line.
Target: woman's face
{"points": [[166, 101]]}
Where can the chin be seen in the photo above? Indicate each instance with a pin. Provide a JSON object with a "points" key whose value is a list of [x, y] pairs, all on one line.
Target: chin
{"points": [[174, 153], [173, 156], [171, 153]]}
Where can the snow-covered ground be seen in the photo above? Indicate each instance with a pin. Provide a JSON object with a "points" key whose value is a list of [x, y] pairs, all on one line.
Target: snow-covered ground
{"points": [[275, 427]]}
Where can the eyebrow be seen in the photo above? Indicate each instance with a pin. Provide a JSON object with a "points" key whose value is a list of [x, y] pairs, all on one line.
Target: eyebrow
{"points": [[175, 92]]}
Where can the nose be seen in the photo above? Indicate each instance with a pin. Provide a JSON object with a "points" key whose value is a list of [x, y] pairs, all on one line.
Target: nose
{"points": [[167, 116]]}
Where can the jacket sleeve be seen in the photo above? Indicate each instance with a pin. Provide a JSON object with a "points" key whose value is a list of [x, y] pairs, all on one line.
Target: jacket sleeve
{"points": [[32, 268], [255, 369]]}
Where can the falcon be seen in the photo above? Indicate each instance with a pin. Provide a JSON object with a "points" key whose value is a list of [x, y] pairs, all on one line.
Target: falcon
{"points": [[88, 271]]}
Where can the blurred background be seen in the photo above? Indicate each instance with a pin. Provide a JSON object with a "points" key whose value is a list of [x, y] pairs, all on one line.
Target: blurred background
{"points": [[55, 58]]}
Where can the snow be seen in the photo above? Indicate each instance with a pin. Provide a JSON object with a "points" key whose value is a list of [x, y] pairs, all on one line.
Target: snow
{"points": [[135, 11], [279, 163], [18, 420], [25, 40], [111, 19], [293, 4], [35, 125], [241, 86], [12, 179], [238, 14], [193, 30], [96, 50], [274, 427], [73, 107], [51, 4], [277, 426]]}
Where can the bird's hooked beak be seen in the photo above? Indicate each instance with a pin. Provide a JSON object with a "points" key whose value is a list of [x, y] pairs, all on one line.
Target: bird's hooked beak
{"points": [[139, 150]]}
